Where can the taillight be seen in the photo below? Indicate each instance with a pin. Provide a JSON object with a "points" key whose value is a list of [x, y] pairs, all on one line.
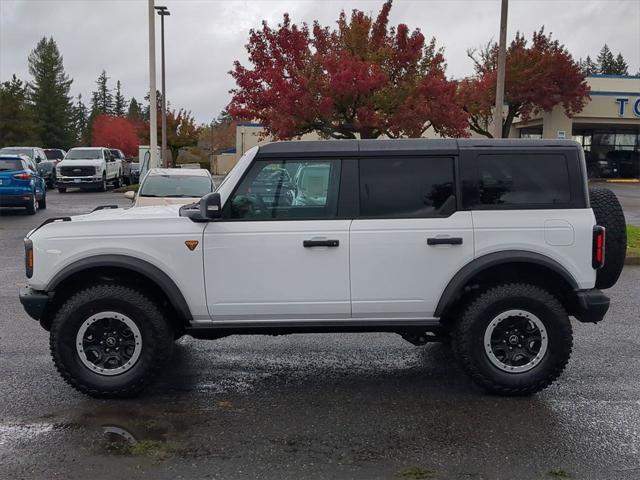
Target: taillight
{"points": [[597, 260], [28, 257], [22, 176]]}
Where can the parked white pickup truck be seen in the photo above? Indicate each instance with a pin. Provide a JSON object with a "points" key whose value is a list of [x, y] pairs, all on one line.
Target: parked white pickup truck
{"points": [[88, 167]]}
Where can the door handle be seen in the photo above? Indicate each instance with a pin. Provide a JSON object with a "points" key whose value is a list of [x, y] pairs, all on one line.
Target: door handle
{"points": [[444, 241], [320, 243]]}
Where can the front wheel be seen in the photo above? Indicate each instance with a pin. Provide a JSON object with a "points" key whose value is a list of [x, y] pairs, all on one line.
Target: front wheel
{"points": [[62, 190], [103, 184], [513, 339], [110, 341]]}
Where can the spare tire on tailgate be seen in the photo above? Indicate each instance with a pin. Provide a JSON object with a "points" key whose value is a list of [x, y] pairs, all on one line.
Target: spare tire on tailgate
{"points": [[609, 214]]}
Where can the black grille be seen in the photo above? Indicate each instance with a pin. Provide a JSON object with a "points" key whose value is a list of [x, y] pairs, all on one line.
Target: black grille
{"points": [[77, 171]]}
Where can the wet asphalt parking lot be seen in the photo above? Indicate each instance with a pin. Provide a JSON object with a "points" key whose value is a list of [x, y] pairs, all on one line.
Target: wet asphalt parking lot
{"points": [[365, 406]]}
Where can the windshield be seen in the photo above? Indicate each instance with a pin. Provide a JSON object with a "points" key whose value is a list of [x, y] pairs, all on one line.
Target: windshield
{"points": [[83, 154], [17, 150], [54, 154], [175, 186], [10, 164]]}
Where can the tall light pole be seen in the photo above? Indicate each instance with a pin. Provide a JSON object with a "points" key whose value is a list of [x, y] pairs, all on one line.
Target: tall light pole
{"points": [[502, 60], [163, 12], [153, 112]]}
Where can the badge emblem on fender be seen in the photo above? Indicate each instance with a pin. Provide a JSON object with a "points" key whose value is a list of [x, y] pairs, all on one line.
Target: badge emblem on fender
{"points": [[191, 244]]}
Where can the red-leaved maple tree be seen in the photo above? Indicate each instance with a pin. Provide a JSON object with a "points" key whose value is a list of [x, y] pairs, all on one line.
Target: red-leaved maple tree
{"points": [[537, 78], [115, 132], [363, 79]]}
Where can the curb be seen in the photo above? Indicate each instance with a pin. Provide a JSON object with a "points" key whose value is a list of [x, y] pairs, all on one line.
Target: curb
{"points": [[632, 261]]}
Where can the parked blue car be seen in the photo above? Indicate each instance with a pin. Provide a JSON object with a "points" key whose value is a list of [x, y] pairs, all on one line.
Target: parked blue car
{"points": [[20, 184]]}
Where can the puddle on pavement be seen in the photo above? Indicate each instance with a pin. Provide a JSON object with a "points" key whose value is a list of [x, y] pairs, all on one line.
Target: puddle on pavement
{"points": [[130, 432]]}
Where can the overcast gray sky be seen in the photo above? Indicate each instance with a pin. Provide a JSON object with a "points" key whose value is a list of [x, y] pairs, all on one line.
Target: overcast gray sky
{"points": [[204, 37]]}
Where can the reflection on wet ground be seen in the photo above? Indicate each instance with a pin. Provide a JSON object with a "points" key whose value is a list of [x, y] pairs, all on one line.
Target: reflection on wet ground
{"points": [[369, 413]]}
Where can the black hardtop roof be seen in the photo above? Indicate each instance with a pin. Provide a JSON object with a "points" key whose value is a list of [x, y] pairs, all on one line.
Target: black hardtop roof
{"points": [[405, 146]]}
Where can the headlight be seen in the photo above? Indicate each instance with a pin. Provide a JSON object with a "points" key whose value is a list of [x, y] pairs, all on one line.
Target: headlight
{"points": [[28, 257], [98, 170]]}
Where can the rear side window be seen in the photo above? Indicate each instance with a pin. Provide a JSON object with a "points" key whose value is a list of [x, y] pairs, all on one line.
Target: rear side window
{"points": [[406, 187], [10, 164], [495, 181]]}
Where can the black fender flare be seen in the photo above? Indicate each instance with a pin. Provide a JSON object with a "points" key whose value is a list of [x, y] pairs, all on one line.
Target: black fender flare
{"points": [[153, 273], [484, 262]]}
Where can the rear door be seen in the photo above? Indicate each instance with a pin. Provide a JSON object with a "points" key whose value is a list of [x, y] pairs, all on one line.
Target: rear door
{"points": [[280, 252], [409, 239]]}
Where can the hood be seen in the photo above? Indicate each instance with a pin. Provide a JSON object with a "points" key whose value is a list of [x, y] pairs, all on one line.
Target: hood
{"points": [[109, 220], [81, 163], [134, 214]]}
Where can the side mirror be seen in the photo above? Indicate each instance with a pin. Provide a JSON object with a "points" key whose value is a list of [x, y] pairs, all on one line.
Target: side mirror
{"points": [[130, 195], [211, 206]]}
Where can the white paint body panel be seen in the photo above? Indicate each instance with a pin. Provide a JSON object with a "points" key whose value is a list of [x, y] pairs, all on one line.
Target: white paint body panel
{"points": [[532, 230], [153, 234], [260, 270], [394, 273]]}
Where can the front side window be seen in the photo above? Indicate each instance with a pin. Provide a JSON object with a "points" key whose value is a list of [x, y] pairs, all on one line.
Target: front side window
{"points": [[287, 189], [406, 187], [516, 180]]}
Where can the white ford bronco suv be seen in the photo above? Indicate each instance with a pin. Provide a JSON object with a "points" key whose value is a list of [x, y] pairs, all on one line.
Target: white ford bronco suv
{"points": [[491, 245], [91, 167]]}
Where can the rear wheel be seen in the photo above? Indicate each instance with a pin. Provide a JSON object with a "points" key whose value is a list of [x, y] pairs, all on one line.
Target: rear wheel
{"points": [[609, 214], [117, 183], [110, 341], [32, 206], [513, 339], [42, 203], [62, 190]]}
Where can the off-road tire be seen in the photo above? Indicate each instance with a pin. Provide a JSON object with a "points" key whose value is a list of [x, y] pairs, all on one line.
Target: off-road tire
{"points": [[468, 338], [42, 203], [609, 214], [32, 206], [156, 333], [62, 190]]}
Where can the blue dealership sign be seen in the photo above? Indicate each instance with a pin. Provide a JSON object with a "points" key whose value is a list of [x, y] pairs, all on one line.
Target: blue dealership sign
{"points": [[622, 105]]}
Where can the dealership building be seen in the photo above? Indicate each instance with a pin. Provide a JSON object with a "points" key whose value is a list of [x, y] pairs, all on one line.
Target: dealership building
{"points": [[608, 128]]}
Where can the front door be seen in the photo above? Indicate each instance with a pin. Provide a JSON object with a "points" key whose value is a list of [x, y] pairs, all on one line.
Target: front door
{"points": [[409, 240], [280, 253]]}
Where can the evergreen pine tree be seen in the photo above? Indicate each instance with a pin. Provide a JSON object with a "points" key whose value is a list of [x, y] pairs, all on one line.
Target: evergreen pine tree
{"points": [[606, 61], [17, 125], [49, 95], [588, 66], [135, 113], [120, 103], [621, 67], [102, 99], [81, 122]]}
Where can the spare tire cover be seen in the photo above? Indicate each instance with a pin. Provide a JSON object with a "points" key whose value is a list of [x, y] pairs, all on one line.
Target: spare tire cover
{"points": [[609, 214]]}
